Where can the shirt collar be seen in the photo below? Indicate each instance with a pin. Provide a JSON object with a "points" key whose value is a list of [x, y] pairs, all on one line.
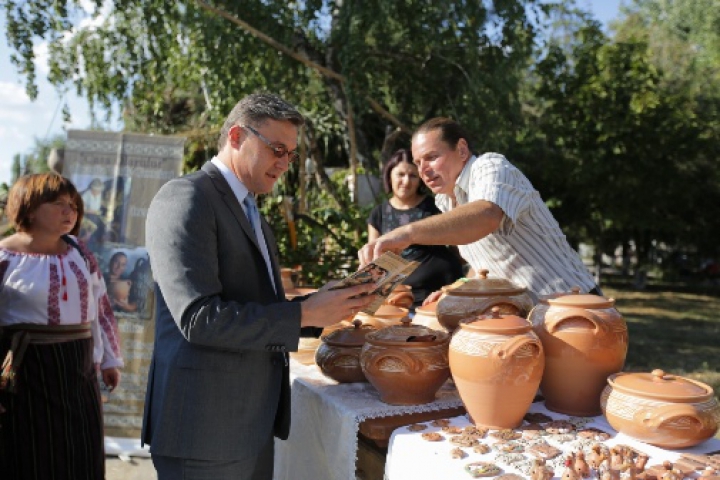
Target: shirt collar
{"points": [[238, 188], [462, 184]]}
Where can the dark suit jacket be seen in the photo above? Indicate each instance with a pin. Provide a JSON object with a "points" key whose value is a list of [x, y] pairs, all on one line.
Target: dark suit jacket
{"points": [[218, 385]]}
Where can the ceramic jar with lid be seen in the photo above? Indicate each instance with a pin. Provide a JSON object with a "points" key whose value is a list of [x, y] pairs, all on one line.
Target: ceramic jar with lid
{"points": [[426, 315], [585, 340], [407, 364], [496, 362], [477, 296], [665, 410], [338, 355], [385, 316]]}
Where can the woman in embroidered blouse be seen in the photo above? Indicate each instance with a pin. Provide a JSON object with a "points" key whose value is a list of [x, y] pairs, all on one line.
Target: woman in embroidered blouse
{"points": [[439, 266], [57, 328]]}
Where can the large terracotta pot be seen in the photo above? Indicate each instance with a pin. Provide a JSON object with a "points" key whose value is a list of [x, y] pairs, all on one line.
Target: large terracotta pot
{"points": [[477, 296], [426, 316], [496, 362], [338, 356], [407, 364], [664, 410], [585, 339]]}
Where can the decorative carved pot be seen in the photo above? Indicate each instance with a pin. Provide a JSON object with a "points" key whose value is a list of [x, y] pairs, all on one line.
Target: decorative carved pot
{"points": [[426, 315], [496, 362], [338, 356], [477, 296], [401, 296], [585, 339], [664, 410], [407, 364]]}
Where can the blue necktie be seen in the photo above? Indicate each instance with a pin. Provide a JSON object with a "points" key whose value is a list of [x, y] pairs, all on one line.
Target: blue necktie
{"points": [[254, 217]]}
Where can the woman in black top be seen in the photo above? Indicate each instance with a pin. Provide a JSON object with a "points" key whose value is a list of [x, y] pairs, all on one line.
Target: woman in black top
{"points": [[439, 265]]}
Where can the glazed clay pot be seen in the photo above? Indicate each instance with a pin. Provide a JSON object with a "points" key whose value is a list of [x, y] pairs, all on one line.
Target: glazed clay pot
{"points": [[496, 362], [338, 356], [664, 410], [426, 316], [477, 296], [407, 364], [585, 339]]}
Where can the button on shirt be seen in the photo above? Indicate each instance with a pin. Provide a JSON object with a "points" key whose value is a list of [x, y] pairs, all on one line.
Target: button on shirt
{"points": [[241, 191], [529, 248]]}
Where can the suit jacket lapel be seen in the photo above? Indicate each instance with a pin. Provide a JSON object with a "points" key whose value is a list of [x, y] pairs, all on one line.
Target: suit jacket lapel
{"points": [[231, 201]]}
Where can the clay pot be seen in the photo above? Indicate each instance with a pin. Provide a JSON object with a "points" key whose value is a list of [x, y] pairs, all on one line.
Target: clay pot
{"points": [[660, 409], [338, 356], [477, 296], [119, 290], [286, 279], [407, 364], [426, 315], [585, 339], [401, 296], [496, 362], [385, 316]]}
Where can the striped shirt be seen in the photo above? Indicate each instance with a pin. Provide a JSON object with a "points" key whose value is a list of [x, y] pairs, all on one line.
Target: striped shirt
{"points": [[528, 247]]}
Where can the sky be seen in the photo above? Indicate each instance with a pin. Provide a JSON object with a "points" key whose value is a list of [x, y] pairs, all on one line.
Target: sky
{"points": [[22, 120]]}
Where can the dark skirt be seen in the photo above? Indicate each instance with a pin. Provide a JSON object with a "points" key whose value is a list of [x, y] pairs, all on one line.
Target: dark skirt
{"points": [[52, 427]]}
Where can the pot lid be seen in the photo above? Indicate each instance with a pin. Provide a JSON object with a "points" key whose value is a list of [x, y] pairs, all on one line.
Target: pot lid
{"points": [[407, 335], [483, 286], [580, 300], [348, 337], [389, 311], [660, 385], [496, 322]]}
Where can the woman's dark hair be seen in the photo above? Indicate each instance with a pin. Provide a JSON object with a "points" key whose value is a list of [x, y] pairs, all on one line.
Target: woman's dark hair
{"points": [[450, 131], [400, 156], [31, 191]]}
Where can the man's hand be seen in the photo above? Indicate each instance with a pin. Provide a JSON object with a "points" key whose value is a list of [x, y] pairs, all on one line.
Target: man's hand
{"points": [[432, 297], [395, 241], [111, 378], [328, 307]]}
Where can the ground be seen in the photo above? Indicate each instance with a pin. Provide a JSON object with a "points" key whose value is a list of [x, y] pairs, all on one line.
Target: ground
{"points": [[136, 468]]}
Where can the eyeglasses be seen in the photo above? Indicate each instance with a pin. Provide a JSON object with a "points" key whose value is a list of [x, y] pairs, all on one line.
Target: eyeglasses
{"points": [[279, 150]]}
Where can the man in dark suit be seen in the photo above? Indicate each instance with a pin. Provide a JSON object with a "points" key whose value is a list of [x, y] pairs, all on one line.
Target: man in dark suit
{"points": [[218, 386]]}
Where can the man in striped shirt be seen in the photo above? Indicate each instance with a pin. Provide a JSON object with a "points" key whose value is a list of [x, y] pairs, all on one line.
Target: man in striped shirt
{"points": [[491, 211]]}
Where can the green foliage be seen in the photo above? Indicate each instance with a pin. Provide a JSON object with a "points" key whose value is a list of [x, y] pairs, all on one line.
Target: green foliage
{"points": [[328, 237]]}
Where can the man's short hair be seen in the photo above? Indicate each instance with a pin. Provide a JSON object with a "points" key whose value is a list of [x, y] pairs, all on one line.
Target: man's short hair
{"points": [[450, 131], [255, 109]]}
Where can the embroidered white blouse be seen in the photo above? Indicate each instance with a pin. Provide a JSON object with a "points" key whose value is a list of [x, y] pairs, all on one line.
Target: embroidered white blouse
{"points": [[59, 290]]}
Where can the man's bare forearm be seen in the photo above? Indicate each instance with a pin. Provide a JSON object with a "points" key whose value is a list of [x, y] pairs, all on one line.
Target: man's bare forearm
{"points": [[460, 226]]}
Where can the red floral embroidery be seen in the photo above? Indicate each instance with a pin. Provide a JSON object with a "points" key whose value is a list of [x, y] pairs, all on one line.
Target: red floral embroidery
{"points": [[84, 291], [54, 296], [107, 321]]}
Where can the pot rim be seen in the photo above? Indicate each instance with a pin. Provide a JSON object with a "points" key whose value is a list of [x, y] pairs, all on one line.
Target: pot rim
{"points": [[440, 337]]}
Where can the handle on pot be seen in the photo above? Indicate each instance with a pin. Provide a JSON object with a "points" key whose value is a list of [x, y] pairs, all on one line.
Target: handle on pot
{"points": [[656, 417], [497, 303], [510, 347], [412, 365], [552, 322]]}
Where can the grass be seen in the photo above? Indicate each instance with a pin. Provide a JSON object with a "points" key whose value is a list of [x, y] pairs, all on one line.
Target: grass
{"points": [[678, 332]]}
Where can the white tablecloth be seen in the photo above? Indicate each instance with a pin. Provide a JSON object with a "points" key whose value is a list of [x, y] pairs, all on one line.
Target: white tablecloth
{"points": [[412, 458], [325, 421]]}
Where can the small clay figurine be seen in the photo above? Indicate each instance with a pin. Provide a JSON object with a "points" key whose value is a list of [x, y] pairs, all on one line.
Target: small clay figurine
{"points": [[581, 466], [616, 457], [669, 473], [597, 455], [540, 471], [569, 473]]}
